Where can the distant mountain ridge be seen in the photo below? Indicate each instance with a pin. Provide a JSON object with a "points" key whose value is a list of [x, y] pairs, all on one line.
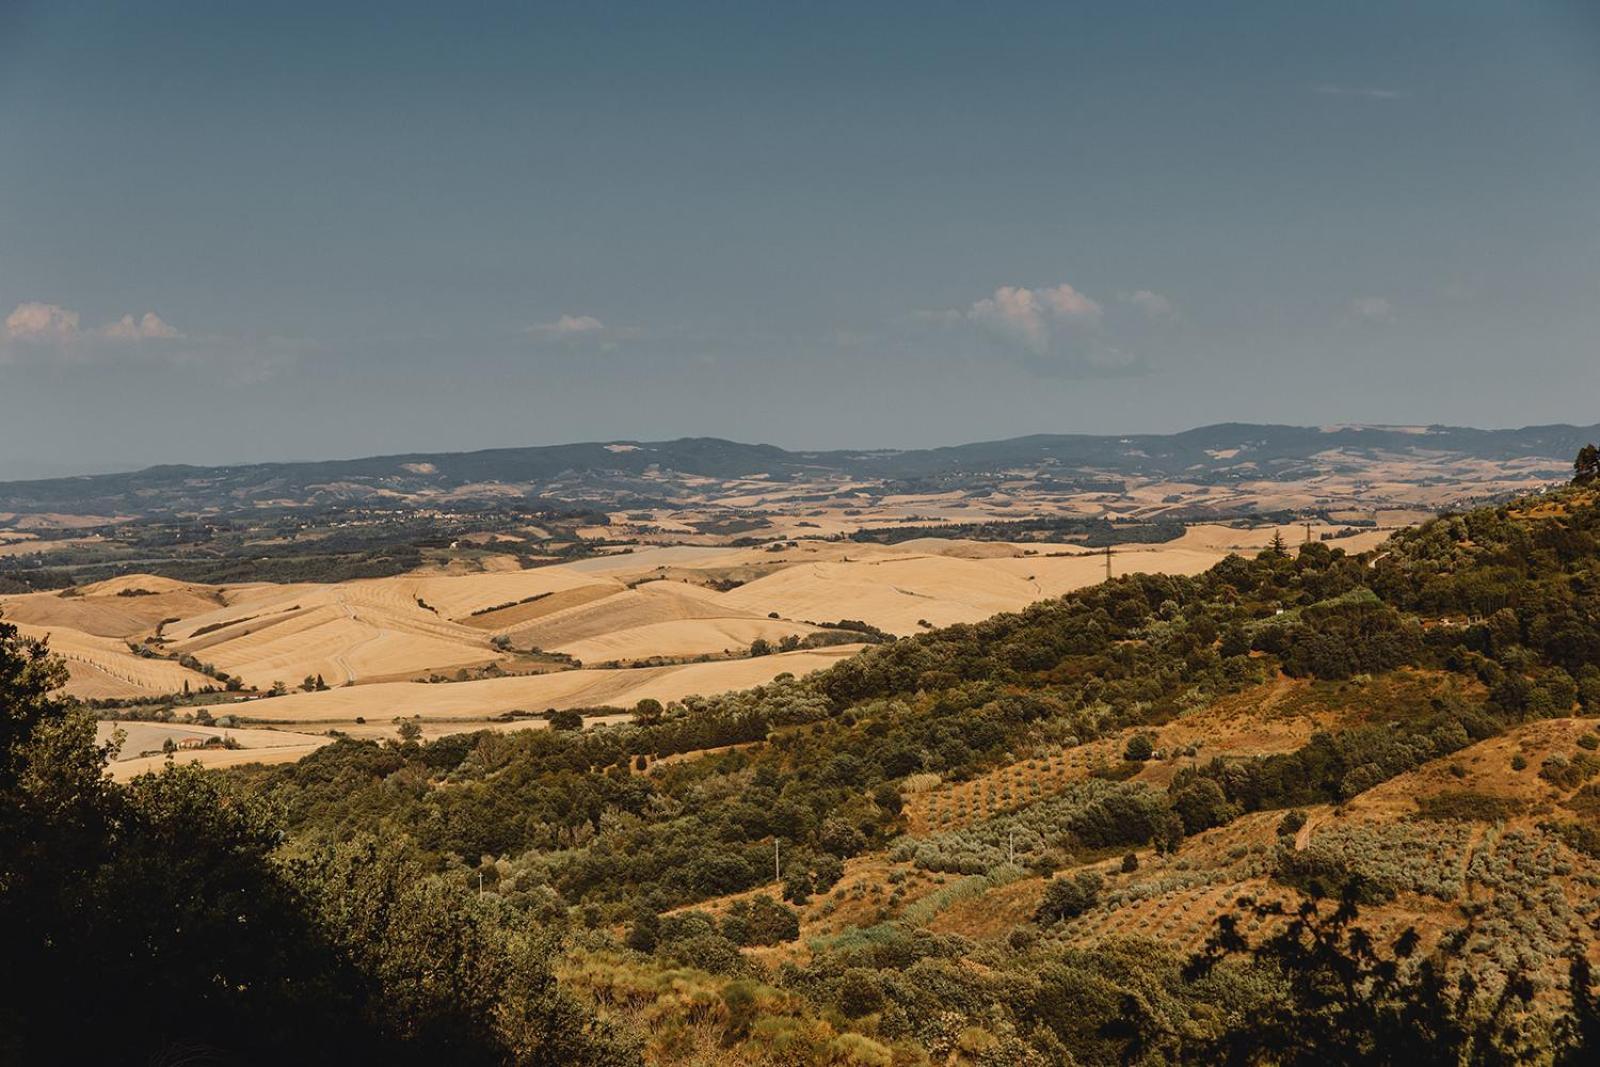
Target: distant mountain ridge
{"points": [[1226, 452]]}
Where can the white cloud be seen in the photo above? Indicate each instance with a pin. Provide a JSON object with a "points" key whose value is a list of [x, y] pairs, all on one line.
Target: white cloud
{"points": [[39, 334], [1371, 309], [1014, 313], [1067, 302], [1153, 304], [1033, 318], [569, 326], [148, 327], [582, 330], [1360, 92], [1054, 331], [38, 323]]}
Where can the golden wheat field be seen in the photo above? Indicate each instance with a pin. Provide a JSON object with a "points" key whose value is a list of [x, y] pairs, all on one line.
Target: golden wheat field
{"points": [[463, 650], [678, 602], [141, 748], [489, 697], [104, 667]]}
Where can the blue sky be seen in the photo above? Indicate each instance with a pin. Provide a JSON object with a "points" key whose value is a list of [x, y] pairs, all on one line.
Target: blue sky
{"points": [[236, 231]]}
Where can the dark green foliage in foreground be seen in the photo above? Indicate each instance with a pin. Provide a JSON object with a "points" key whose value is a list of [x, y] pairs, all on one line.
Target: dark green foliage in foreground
{"points": [[154, 922], [1348, 1000]]}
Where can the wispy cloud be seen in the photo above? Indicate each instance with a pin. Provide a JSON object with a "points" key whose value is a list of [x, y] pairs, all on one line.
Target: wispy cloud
{"points": [[1371, 309], [568, 326], [1358, 92], [1153, 304], [582, 329]]}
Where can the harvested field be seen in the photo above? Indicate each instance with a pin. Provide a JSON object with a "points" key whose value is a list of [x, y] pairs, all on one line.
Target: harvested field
{"points": [[122, 770], [670, 602], [121, 609], [141, 746], [513, 615], [104, 668], [688, 637], [535, 693]]}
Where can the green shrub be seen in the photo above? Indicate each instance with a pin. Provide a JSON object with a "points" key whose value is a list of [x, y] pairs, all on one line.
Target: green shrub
{"points": [[1139, 748], [1565, 773], [1067, 898], [1463, 805], [761, 921]]}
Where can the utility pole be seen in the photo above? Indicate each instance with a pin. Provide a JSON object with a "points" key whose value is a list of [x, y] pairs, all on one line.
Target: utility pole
{"points": [[1308, 533], [1108, 563]]}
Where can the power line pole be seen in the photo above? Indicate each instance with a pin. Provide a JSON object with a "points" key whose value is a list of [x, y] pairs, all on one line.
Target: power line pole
{"points": [[1308, 533], [1108, 563]]}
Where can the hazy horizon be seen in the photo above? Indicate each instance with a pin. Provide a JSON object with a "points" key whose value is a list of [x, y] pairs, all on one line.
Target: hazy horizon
{"points": [[286, 232], [45, 473]]}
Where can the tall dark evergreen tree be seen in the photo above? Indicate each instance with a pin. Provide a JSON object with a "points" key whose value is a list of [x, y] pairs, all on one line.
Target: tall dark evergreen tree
{"points": [[1586, 468]]}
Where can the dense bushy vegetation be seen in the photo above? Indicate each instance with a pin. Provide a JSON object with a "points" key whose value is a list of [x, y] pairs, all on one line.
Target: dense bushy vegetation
{"points": [[1371, 864], [1089, 815], [1092, 533], [291, 544], [586, 833]]}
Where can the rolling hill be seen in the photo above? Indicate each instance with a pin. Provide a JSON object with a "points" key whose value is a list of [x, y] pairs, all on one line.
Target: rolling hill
{"points": [[1165, 816], [1291, 799], [660, 470]]}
